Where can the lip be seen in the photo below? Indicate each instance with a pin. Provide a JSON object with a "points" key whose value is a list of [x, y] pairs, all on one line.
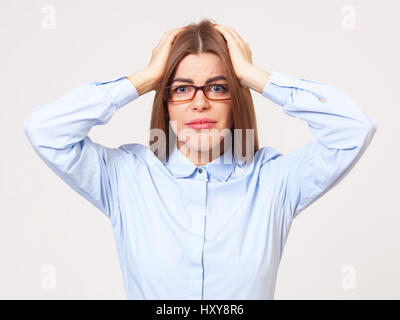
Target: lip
{"points": [[201, 121], [204, 125]]}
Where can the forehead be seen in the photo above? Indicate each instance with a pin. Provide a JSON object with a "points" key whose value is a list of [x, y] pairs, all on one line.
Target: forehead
{"points": [[200, 66]]}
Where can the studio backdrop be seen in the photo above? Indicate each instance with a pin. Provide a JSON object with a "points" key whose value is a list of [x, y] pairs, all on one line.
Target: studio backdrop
{"points": [[56, 245]]}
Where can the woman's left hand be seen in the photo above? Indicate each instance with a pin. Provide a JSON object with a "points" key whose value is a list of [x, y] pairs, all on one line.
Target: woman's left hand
{"points": [[240, 53]]}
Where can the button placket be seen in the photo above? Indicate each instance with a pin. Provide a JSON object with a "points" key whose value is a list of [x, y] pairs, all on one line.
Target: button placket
{"points": [[196, 241], [202, 174]]}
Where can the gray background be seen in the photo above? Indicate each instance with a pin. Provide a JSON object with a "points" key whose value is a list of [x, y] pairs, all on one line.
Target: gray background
{"points": [[55, 245]]}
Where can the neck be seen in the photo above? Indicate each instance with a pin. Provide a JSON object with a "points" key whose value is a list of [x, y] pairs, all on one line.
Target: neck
{"points": [[200, 158]]}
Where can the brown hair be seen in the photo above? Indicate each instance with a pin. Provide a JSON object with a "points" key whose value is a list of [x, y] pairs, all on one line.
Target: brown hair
{"points": [[195, 39]]}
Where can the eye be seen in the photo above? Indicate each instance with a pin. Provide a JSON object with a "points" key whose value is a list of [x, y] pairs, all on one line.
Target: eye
{"points": [[220, 87], [177, 89]]}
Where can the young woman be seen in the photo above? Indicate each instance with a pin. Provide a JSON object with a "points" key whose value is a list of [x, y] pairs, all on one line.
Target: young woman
{"points": [[203, 212]]}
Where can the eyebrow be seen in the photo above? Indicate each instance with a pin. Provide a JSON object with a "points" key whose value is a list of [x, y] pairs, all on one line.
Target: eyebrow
{"points": [[191, 81]]}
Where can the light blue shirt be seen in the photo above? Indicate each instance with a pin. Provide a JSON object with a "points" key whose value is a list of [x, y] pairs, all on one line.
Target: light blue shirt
{"points": [[185, 233]]}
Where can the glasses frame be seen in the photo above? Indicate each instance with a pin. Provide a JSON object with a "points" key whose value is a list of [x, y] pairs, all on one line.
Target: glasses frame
{"points": [[196, 88]]}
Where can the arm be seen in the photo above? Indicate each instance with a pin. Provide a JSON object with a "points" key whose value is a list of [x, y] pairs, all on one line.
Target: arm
{"points": [[342, 131], [58, 132]]}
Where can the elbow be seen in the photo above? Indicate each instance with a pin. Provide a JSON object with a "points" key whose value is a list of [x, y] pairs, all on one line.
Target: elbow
{"points": [[28, 129], [31, 132], [373, 126], [368, 132], [370, 128]]}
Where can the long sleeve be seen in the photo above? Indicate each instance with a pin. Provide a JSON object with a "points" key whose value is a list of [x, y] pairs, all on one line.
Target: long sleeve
{"points": [[342, 131], [58, 132]]}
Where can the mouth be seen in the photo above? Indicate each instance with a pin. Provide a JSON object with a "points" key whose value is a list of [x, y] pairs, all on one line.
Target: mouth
{"points": [[204, 125], [201, 123]]}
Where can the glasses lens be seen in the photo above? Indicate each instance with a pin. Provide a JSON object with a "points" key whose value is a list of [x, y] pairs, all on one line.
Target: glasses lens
{"points": [[218, 91], [178, 93], [186, 92]]}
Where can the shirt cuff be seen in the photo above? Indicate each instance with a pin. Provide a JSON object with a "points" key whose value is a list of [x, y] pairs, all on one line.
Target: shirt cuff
{"points": [[279, 87], [122, 90]]}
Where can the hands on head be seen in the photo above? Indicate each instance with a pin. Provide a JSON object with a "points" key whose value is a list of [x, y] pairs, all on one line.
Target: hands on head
{"points": [[241, 56]]}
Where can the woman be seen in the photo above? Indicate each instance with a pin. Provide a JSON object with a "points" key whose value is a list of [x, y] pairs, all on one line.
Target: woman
{"points": [[203, 213]]}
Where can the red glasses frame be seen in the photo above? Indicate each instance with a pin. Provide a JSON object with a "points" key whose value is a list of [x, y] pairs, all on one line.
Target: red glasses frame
{"points": [[165, 96]]}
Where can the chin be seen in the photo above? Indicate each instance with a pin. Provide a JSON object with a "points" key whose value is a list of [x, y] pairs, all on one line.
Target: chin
{"points": [[202, 141]]}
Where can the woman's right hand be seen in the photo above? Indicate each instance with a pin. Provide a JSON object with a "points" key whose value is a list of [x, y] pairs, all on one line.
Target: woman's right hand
{"points": [[160, 54], [149, 78]]}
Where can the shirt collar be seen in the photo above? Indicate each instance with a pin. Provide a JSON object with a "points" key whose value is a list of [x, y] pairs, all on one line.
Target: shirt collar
{"points": [[220, 168]]}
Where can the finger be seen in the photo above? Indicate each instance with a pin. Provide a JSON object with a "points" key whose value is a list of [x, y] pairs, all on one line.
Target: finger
{"points": [[245, 46], [227, 35], [236, 35], [238, 38], [164, 36], [232, 36], [168, 34], [174, 33]]}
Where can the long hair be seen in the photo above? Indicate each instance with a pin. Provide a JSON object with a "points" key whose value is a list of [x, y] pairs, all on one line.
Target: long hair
{"points": [[196, 39]]}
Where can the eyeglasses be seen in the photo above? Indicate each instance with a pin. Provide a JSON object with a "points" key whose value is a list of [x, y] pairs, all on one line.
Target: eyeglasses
{"points": [[214, 92]]}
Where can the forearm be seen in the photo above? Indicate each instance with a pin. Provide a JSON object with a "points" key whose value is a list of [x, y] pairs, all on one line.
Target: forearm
{"points": [[333, 116], [143, 81], [68, 119], [342, 133]]}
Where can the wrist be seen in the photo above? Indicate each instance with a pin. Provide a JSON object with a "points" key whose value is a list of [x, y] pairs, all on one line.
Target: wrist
{"points": [[255, 78], [143, 81]]}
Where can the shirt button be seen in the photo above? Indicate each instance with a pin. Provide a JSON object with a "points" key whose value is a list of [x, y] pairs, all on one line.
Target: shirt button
{"points": [[200, 170]]}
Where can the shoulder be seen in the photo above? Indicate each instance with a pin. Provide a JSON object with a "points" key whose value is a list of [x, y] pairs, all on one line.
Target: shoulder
{"points": [[140, 153], [267, 154], [262, 159], [264, 156], [132, 148]]}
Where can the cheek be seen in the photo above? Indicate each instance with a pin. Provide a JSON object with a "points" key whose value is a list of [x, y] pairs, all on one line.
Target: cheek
{"points": [[176, 120], [227, 115]]}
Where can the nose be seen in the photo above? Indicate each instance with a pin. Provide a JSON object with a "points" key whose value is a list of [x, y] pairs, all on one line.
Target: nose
{"points": [[200, 101]]}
